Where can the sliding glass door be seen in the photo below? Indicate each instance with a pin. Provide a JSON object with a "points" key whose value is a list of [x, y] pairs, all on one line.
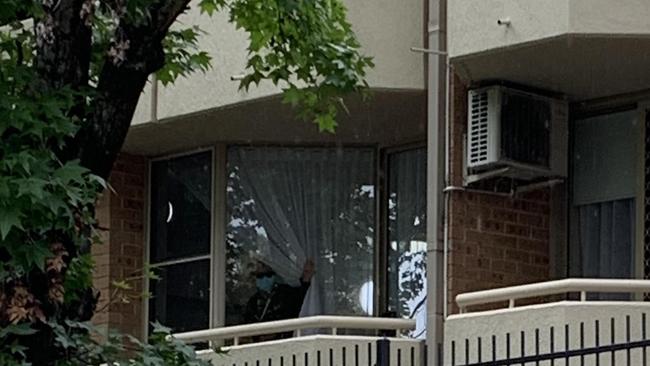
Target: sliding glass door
{"points": [[604, 200]]}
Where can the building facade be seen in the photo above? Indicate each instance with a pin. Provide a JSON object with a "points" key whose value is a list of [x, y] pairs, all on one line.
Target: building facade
{"points": [[397, 213]]}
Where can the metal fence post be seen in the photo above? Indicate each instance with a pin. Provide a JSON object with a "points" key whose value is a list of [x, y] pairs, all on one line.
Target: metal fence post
{"points": [[383, 352]]}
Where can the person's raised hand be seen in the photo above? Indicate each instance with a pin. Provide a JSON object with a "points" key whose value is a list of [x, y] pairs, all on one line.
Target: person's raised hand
{"points": [[308, 270]]}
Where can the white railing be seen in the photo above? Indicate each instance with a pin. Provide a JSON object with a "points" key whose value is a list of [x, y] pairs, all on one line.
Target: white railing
{"points": [[580, 285], [332, 323]]}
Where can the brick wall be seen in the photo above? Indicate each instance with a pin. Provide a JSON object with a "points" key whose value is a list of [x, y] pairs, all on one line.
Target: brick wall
{"points": [[494, 241], [121, 215]]}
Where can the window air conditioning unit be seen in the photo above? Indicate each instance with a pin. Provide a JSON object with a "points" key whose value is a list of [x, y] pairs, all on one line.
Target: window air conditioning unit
{"points": [[522, 135]]}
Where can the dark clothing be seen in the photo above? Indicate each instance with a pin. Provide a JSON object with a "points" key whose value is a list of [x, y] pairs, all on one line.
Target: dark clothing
{"points": [[282, 302]]}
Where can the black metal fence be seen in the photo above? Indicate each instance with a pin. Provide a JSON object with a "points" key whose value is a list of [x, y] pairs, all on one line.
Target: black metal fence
{"points": [[571, 345]]}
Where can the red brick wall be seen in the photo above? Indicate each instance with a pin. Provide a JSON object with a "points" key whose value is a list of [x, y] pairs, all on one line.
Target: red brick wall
{"points": [[121, 215], [494, 241]]}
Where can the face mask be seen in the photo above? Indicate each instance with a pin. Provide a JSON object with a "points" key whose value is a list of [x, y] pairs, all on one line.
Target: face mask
{"points": [[265, 283]]}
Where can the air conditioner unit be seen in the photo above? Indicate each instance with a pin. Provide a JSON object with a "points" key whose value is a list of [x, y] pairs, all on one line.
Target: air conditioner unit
{"points": [[524, 132]]}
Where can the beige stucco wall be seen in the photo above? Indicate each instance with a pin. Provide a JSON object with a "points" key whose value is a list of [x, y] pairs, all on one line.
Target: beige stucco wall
{"points": [[473, 24], [386, 30], [621, 17]]}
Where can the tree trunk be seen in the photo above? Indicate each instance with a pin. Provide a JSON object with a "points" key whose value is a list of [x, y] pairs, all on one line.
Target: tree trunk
{"points": [[63, 60]]}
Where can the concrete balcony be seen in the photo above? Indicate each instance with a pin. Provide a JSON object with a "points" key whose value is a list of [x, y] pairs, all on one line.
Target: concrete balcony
{"points": [[582, 48], [314, 349], [557, 333]]}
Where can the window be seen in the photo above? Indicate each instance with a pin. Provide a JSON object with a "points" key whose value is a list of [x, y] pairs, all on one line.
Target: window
{"points": [[604, 195], [407, 236], [285, 206], [180, 236], [288, 205]]}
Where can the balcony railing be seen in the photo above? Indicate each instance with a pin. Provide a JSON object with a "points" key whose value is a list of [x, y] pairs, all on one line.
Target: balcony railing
{"points": [[305, 348], [604, 333]]}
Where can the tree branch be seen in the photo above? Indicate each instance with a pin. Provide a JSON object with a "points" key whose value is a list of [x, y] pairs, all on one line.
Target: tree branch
{"points": [[63, 45], [121, 82]]}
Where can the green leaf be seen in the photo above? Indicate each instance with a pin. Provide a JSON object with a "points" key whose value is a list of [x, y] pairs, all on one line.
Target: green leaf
{"points": [[71, 171], [292, 96], [122, 285], [30, 255], [22, 329], [10, 217], [159, 328], [210, 6], [326, 123]]}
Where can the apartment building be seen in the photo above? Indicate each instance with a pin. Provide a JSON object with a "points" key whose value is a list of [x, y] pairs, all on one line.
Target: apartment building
{"points": [[487, 206]]}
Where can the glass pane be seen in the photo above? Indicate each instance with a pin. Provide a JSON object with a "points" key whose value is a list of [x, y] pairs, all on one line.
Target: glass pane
{"points": [[407, 236], [286, 206], [180, 207], [604, 179], [604, 158], [607, 238], [181, 298]]}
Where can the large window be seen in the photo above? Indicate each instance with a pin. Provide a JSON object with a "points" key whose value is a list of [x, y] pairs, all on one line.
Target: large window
{"points": [[180, 222], [288, 211], [287, 206], [604, 195]]}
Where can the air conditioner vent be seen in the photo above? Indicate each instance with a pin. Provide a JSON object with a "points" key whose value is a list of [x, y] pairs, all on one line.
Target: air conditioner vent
{"points": [[478, 128], [524, 132]]}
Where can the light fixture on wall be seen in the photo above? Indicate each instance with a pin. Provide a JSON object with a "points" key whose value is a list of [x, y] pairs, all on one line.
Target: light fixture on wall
{"points": [[237, 77], [504, 21]]}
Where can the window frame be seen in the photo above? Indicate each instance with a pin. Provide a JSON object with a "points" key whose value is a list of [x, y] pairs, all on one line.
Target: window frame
{"points": [[218, 220], [603, 107], [381, 293], [147, 241]]}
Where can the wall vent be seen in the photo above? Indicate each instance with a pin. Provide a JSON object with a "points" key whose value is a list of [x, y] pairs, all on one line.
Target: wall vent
{"points": [[520, 130]]}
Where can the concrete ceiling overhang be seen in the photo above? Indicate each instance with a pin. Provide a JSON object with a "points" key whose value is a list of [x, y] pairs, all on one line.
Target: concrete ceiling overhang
{"points": [[389, 117], [581, 67]]}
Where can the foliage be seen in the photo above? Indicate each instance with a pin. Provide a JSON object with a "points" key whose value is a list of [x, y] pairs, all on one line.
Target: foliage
{"points": [[85, 344], [70, 74], [307, 47]]}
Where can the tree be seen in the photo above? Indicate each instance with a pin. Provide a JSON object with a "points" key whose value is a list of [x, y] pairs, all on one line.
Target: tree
{"points": [[71, 75]]}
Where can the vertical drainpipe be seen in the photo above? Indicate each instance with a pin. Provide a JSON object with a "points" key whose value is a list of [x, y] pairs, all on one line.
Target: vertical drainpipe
{"points": [[436, 104], [154, 98]]}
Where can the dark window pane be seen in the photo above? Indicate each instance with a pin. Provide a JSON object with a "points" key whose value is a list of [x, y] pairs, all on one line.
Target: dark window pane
{"points": [[180, 207], [181, 298], [407, 236]]}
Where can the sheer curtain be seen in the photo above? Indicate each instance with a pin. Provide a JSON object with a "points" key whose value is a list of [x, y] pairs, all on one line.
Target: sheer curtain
{"points": [[607, 229], [313, 203]]}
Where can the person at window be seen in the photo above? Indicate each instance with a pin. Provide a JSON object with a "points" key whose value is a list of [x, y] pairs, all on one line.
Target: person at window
{"points": [[274, 299]]}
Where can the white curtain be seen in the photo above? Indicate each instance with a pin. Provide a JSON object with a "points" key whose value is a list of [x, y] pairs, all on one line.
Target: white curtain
{"points": [[607, 239], [312, 203]]}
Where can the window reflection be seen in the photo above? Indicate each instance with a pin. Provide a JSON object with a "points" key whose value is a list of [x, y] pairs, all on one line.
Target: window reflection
{"points": [[407, 236], [181, 201]]}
